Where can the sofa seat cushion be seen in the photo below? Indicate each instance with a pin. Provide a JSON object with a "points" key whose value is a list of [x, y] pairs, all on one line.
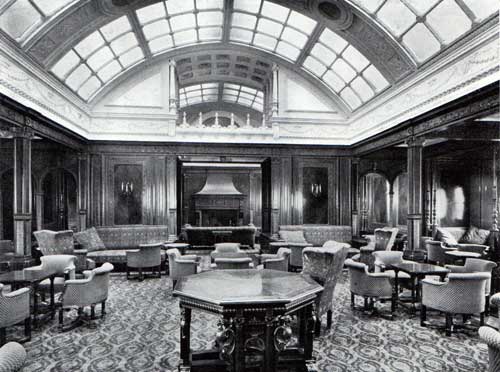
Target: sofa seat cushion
{"points": [[113, 256], [89, 239], [445, 236], [475, 235]]}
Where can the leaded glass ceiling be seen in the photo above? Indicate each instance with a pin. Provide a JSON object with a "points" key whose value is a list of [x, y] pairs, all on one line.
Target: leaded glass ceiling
{"points": [[113, 40]]}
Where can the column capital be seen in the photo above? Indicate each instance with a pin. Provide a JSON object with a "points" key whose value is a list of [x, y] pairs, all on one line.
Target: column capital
{"points": [[415, 141], [275, 67], [22, 132], [171, 62]]}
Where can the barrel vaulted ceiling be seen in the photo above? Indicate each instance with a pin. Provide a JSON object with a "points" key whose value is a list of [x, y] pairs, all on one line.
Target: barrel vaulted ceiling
{"points": [[355, 49]]}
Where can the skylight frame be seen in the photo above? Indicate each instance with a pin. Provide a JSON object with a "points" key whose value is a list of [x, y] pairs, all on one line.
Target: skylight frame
{"points": [[261, 36], [101, 72], [243, 95], [210, 32], [198, 93]]}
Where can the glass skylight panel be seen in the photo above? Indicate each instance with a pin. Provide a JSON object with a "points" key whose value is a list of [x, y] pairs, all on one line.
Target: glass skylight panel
{"points": [[375, 78], [124, 43], [301, 22], [396, 16], [185, 37], [18, 18], [421, 42], [116, 28], [251, 6], [421, 7], [363, 90], [209, 4], [109, 71], [334, 81], [269, 27], [161, 44], [179, 6], [294, 37], [244, 36], [210, 85], [182, 21], [342, 69], [78, 77], [244, 20], [52, 6], [350, 97], [275, 11], [210, 33], [369, 5], [265, 41], [100, 58], [131, 57], [89, 45], [333, 41], [157, 28], [482, 9], [89, 88], [210, 18], [66, 64], [355, 58], [150, 13], [456, 24], [287, 50]]}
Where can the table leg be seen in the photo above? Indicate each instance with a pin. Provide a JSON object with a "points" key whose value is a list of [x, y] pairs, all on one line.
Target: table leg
{"points": [[185, 337], [302, 326], [35, 305], [239, 356], [52, 299], [394, 304], [270, 352], [309, 334]]}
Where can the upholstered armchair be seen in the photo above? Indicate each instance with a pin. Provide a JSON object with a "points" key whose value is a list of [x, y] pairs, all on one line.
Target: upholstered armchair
{"points": [[64, 267], [436, 252], [382, 240], [384, 259], [324, 265], [371, 286], [12, 357], [180, 266], [492, 338], [148, 256], [232, 263], [89, 291], [278, 261], [14, 308], [458, 294], [475, 265], [227, 250], [62, 242]]}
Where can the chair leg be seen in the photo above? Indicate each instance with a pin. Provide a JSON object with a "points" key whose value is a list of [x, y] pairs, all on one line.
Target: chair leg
{"points": [[487, 305], [481, 319], [366, 304], [103, 308], [329, 319], [2, 336], [141, 276], [352, 300], [61, 317], [423, 315], [317, 327], [128, 273], [92, 311], [449, 324]]}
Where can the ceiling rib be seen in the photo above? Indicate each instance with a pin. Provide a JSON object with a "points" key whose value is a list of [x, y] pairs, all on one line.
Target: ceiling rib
{"points": [[310, 44], [228, 18], [136, 27]]}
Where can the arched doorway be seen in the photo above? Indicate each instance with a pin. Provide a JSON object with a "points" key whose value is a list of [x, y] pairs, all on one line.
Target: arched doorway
{"points": [[59, 189], [374, 201]]}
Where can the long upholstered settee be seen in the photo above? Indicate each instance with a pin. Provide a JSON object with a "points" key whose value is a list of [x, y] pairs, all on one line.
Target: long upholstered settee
{"points": [[110, 243], [317, 235]]}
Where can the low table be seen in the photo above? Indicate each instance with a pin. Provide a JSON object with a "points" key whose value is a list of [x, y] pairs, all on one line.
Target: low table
{"points": [[31, 278], [255, 308], [417, 271]]}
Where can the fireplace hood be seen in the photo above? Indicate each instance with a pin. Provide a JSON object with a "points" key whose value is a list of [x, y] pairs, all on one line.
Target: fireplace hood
{"points": [[219, 184]]}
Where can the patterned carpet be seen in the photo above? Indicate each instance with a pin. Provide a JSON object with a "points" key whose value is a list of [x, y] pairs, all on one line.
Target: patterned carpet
{"points": [[141, 332]]}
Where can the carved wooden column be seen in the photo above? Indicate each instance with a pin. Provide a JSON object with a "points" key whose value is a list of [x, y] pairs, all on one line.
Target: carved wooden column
{"points": [[172, 87], [414, 192], [22, 190], [39, 210], [392, 213], [275, 91], [83, 189], [1, 215], [354, 196], [275, 195], [428, 199], [286, 191], [494, 239], [171, 181]]}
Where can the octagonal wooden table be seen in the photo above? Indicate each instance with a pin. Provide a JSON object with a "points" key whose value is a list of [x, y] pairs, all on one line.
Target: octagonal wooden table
{"points": [[254, 329]]}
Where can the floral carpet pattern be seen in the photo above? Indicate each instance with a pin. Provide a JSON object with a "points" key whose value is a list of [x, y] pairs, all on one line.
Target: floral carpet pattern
{"points": [[141, 333]]}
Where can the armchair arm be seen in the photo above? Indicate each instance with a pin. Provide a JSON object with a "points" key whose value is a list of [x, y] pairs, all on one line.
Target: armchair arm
{"points": [[495, 299], [270, 260], [190, 257], [33, 268], [432, 282], [16, 293], [12, 356], [77, 281], [80, 252], [477, 248], [490, 336], [267, 256], [456, 268], [186, 262]]}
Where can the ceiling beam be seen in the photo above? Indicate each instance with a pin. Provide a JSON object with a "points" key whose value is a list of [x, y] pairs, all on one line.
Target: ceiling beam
{"points": [[136, 27], [310, 44], [486, 133], [228, 18]]}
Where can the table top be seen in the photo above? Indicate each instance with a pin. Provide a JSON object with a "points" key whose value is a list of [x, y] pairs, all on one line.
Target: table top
{"points": [[25, 276], [419, 268], [176, 245], [247, 287]]}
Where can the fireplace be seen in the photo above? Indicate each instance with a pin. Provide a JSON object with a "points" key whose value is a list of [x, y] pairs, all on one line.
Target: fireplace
{"points": [[218, 203]]}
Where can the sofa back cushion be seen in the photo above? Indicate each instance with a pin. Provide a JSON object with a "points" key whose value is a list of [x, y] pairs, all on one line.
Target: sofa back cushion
{"points": [[317, 235], [54, 242], [90, 240], [292, 236], [475, 235], [129, 237], [449, 236]]}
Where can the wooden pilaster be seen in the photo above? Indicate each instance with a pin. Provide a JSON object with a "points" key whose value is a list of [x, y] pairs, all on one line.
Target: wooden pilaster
{"points": [[83, 190], [171, 182], [415, 171]]}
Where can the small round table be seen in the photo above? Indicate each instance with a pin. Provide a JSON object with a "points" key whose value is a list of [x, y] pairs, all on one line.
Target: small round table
{"points": [[460, 255]]}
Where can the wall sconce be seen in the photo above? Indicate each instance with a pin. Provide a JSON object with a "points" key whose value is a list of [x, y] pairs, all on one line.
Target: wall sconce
{"points": [[127, 188], [316, 189]]}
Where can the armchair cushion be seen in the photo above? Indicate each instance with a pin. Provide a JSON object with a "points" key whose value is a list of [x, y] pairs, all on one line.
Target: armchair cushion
{"points": [[475, 235], [89, 239], [446, 237], [291, 236]]}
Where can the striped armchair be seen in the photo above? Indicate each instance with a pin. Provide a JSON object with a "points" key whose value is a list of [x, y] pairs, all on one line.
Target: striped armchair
{"points": [[278, 261], [492, 338], [461, 293], [148, 256], [180, 266], [232, 263], [91, 290], [14, 308], [12, 357]]}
